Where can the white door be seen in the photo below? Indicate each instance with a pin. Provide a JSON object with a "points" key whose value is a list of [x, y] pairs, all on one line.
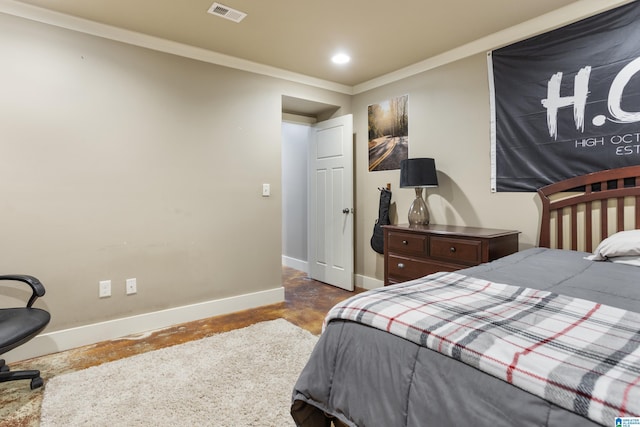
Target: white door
{"points": [[330, 252]]}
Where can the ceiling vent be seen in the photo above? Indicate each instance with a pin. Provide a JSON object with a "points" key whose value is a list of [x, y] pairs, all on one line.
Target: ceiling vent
{"points": [[226, 12]]}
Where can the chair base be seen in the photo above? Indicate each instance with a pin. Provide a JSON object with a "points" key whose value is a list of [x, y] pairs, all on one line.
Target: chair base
{"points": [[7, 375]]}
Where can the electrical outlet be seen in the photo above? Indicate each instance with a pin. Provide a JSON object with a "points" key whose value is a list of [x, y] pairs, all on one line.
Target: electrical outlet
{"points": [[105, 289], [131, 287]]}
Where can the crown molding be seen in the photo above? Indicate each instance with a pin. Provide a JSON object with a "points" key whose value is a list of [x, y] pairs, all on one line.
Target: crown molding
{"points": [[549, 21], [45, 16], [565, 15]]}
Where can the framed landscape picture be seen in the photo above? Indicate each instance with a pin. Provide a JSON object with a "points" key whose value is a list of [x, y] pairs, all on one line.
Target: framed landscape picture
{"points": [[388, 133]]}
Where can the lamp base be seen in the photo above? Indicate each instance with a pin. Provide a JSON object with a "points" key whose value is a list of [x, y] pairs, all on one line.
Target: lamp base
{"points": [[418, 212]]}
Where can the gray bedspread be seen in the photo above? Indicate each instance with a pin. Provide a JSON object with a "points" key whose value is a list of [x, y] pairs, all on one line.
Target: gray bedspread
{"points": [[366, 377]]}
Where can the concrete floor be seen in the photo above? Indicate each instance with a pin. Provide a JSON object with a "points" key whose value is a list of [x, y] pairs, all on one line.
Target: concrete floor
{"points": [[306, 303]]}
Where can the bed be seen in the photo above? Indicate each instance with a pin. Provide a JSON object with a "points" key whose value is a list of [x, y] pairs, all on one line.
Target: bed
{"points": [[406, 354]]}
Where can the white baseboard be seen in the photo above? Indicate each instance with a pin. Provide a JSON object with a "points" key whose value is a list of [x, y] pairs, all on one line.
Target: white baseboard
{"points": [[298, 264], [359, 280], [368, 282], [53, 342]]}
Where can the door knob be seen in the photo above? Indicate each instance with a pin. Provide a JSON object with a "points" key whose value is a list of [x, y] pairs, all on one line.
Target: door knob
{"points": [[345, 210]]}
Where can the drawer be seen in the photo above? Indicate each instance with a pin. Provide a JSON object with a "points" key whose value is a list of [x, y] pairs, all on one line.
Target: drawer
{"points": [[407, 243], [402, 268], [450, 249]]}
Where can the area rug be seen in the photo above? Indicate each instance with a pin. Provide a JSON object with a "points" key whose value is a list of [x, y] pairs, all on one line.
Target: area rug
{"points": [[240, 378]]}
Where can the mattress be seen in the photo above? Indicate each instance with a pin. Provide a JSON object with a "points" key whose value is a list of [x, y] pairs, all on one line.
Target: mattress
{"points": [[362, 376]]}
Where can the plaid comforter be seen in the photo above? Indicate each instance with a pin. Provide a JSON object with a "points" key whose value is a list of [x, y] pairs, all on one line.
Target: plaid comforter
{"points": [[580, 355]]}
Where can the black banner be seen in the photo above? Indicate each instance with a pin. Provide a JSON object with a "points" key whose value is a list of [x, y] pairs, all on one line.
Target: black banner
{"points": [[567, 102]]}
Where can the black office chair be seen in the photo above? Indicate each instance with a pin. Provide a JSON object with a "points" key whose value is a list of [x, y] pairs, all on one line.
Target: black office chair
{"points": [[19, 325]]}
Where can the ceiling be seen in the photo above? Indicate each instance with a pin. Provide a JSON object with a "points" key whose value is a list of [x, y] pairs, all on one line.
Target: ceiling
{"points": [[300, 36]]}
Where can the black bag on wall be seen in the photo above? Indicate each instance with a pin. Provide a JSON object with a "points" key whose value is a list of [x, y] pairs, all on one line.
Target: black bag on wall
{"points": [[377, 240]]}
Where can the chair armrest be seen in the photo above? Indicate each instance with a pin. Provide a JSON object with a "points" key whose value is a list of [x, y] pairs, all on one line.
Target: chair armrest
{"points": [[36, 286]]}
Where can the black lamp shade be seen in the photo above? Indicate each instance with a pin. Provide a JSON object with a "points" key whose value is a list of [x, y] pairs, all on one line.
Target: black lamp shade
{"points": [[419, 172]]}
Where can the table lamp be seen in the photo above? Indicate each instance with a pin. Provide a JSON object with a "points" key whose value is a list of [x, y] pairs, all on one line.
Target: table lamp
{"points": [[418, 173]]}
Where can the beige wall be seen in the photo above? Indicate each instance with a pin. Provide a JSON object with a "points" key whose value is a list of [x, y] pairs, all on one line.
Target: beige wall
{"points": [[449, 121], [122, 162]]}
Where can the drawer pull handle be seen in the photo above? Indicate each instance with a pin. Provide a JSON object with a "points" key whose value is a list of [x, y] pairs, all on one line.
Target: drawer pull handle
{"points": [[404, 242], [452, 249], [400, 265]]}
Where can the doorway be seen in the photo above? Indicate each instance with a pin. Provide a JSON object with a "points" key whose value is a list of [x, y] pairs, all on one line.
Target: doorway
{"points": [[295, 151], [298, 132]]}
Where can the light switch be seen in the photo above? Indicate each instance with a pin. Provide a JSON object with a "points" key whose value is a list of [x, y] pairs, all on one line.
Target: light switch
{"points": [[266, 190]]}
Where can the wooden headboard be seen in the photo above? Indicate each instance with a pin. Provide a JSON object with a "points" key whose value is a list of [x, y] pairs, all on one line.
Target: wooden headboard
{"points": [[583, 210]]}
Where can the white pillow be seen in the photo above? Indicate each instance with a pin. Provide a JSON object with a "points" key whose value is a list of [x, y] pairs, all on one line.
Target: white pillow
{"points": [[620, 244], [631, 260]]}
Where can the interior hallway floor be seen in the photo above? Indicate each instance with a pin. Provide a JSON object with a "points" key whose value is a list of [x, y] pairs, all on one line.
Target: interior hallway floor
{"points": [[306, 303]]}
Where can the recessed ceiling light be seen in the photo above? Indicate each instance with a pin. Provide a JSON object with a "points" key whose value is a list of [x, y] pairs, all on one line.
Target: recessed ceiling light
{"points": [[341, 58]]}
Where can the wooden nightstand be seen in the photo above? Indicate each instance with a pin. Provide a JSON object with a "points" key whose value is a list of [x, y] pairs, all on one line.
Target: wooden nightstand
{"points": [[415, 251]]}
